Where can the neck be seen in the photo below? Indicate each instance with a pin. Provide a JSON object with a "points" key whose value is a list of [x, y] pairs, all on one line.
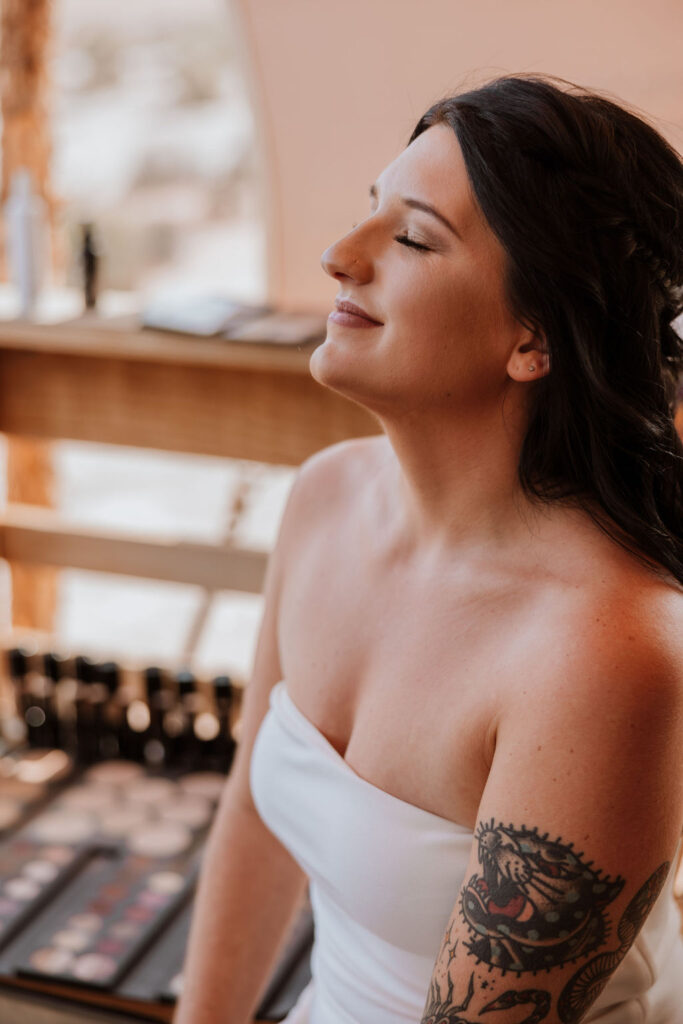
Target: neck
{"points": [[458, 481]]}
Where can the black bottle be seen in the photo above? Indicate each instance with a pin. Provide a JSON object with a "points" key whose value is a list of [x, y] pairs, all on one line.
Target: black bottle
{"points": [[157, 743], [57, 726], [224, 749], [179, 722], [87, 736], [89, 266], [33, 693], [63, 674], [110, 709], [17, 667]]}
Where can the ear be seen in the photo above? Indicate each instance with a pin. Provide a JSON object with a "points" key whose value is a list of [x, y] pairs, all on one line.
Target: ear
{"points": [[530, 359]]}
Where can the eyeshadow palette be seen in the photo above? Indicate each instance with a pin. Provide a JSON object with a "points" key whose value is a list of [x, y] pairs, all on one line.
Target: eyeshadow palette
{"points": [[109, 781], [102, 925], [30, 876]]}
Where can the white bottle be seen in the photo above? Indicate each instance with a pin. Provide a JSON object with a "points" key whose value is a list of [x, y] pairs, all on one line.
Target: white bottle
{"points": [[26, 240]]}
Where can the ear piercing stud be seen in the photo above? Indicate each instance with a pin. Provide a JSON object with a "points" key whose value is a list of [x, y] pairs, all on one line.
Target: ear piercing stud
{"points": [[532, 367]]}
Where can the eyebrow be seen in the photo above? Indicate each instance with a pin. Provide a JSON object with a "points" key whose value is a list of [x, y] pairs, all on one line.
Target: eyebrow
{"points": [[417, 204]]}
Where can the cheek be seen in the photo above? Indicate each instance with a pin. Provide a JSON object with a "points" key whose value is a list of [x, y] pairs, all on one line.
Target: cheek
{"points": [[465, 316], [438, 316], [446, 336]]}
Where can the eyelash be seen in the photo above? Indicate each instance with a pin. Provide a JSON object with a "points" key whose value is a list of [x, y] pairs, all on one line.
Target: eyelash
{"points": [[406, 240]]}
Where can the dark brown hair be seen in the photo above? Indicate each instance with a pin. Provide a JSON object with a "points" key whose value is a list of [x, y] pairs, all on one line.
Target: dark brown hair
{"points": [[586, 198]]}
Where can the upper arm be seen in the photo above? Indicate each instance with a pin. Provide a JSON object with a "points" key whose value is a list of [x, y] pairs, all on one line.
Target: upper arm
{"points": [[313, 482], [576, 827]]}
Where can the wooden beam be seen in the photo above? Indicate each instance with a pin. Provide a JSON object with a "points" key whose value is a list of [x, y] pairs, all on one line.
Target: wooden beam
{"points": [[25, 52], [38, 536], [30, 480], [24, 48]]}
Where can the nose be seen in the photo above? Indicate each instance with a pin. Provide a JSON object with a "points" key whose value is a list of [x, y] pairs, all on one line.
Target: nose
{"points": [[346, 259]]}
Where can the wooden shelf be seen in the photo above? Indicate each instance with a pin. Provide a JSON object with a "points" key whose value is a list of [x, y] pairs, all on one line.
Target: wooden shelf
{"points": [[40, 536]]}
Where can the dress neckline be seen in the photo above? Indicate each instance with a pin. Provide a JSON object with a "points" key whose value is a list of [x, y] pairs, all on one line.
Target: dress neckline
{"points": [[324, 743]]}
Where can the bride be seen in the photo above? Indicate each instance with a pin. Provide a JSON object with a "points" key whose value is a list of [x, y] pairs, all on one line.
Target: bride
{"points": [[464, 726]]}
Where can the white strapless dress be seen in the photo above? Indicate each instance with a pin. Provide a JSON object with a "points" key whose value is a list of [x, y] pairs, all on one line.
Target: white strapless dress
{"points": [[384, 877]]}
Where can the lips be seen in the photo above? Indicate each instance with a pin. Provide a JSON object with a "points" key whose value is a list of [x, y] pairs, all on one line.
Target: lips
{"points": [[344, 306]]}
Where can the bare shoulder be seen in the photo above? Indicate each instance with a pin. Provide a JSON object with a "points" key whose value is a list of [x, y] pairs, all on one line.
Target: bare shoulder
{"points": [[325, 488], [616, 640], [636, 619], [332, 463], [328, 475]]}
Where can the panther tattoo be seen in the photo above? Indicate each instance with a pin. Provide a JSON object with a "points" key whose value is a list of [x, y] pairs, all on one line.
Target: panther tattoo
{"points": [[537, 904]]}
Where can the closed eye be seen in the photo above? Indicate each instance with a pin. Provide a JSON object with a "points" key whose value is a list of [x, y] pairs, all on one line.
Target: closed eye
{"points": [[406, 240]]}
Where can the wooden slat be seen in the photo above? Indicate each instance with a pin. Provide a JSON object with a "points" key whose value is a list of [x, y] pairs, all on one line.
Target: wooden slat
{"points": [[265, 414], [38, 536]]}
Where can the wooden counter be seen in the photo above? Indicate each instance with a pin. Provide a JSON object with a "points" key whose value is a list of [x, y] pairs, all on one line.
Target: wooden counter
{"points": [[110, 381]]}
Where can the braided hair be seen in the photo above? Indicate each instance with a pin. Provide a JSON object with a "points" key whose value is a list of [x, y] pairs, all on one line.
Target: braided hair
{"points": [[586, 198]]}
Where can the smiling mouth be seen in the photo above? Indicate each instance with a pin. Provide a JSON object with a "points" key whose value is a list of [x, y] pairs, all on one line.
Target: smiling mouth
{"points": [[348, 319], [346, 306]]}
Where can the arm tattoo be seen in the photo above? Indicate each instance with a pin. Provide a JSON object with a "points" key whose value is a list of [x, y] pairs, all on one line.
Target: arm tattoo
{"points": [[537, 904], [587, 984], [438, 1011]]}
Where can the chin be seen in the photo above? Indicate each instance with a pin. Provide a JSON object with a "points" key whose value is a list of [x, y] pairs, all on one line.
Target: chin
{"points": [[344, 374], [336, 365], [327, 366]]}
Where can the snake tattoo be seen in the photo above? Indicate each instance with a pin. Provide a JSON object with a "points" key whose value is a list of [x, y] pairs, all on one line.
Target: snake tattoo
{"points": [[588, 982], [537, 904]]}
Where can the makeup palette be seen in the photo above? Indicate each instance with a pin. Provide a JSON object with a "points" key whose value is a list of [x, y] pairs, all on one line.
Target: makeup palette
{"points": [[108, 787], [30, 876], [103, 922]]}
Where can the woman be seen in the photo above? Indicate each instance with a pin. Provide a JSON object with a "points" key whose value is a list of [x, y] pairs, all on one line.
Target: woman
{"points": [[465, 720]]}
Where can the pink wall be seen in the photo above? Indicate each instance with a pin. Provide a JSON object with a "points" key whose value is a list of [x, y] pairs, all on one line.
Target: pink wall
{"points": [[338, 86]]}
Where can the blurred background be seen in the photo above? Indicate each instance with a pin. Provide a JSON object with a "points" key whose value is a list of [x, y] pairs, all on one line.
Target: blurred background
{"points": [[171, 172], [151, 132], [217, 148], [153, 141]]}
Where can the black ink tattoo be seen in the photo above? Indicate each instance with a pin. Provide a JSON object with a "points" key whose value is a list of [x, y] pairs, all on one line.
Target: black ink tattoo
{"points": [[587, 984], [438, 1011], [537, 904], [514, 997]]}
